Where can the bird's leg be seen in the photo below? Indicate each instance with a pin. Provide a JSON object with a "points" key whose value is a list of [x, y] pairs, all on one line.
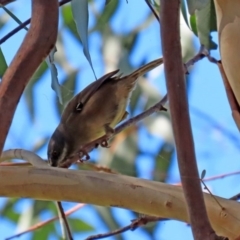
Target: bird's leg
{"points": [[109, 132]]}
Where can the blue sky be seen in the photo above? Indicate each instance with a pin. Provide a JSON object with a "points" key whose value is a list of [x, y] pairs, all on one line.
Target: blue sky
{"points": [[216, 152]]}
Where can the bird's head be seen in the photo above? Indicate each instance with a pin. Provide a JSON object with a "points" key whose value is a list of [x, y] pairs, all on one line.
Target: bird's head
{"points": [[58, 149]]}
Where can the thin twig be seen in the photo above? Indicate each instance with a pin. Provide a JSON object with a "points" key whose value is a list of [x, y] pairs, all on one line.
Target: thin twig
{"points": [[152, 9], [216, 177], [41, 224], [64, 219], [199, 56], [24, 24], [136, 223], [205, 187]]}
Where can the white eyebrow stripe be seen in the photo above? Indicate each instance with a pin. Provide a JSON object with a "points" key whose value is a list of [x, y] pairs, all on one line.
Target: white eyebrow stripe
{"points": [[63, 154]]}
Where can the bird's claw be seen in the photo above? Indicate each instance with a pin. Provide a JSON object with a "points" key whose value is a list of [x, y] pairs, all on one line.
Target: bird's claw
{"points": [[83, 153], [105, 144]]}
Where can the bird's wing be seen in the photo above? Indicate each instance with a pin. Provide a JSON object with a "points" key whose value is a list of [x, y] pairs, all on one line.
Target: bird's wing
{"points": [[76, 103]]}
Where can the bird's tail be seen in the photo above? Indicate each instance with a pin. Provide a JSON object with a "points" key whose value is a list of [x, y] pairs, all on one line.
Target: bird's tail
{"points": [[128, 82], [146, 68]]}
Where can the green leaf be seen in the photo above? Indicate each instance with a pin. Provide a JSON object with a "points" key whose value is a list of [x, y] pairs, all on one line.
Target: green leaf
{"points": [[194, 5], [80, 15], [78, 225], [206, 22], [3, 64], [193, 24], [184, 12]]}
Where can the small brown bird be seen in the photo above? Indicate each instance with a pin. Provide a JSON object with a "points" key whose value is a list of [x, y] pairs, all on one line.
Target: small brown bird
{"points": [[93, 112]]}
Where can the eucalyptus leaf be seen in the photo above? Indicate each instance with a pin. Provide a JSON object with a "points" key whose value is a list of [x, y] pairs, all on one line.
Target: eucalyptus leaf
{"points": [[80, 15], [54, 74]]}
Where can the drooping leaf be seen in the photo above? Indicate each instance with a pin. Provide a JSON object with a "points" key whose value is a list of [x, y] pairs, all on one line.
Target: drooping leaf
{"points": [[184, 12], [54, 74], [3, 64], [80, 15]]}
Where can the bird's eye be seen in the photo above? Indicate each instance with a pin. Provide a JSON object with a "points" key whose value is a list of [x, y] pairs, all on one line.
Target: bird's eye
{"points": [[79, 107], [54, 154]]}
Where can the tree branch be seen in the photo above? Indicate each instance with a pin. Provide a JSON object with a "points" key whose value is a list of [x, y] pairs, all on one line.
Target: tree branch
{"points": [[174, 72], [113, 190], [136, 223], [40, 39]]}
